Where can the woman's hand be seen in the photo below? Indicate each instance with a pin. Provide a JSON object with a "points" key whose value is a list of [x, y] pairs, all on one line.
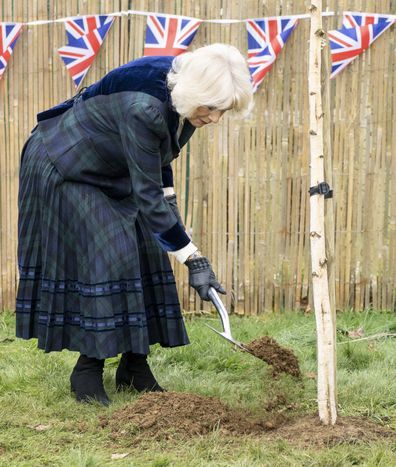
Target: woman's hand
{"points": [[202, 277]]}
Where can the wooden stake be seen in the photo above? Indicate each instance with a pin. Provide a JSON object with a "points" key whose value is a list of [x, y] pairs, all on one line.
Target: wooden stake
{"points": [[325, 322]]}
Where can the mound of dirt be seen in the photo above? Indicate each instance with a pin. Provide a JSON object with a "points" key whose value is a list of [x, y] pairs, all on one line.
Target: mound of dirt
{"points": [[172, 415], [308, 431], [182, 415], [281, 359]]}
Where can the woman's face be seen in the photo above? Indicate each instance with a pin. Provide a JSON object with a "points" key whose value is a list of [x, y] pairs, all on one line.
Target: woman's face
{"points": [[204, 115]]}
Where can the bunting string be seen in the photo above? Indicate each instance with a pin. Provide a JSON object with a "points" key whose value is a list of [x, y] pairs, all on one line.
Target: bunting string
{"points": [[151, 13]]}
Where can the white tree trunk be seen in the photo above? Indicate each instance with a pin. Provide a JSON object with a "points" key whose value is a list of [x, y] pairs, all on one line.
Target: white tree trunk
{"points": [[325, 316]]}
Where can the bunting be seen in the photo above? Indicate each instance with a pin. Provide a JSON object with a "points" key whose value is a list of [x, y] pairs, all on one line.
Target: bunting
{"points": [[169, 35], [85, 35], [353, 20], [356, 35], [9, 33], [172, 35], [266, 38]]}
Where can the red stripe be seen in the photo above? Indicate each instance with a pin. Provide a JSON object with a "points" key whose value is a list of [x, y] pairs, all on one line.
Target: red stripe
{"points": [[338, 40], [70, 54], [170, 40], [258, 30], [272, 29], [157, 25], [276, 45], [79, 67], [259, 76], [350, 20], [75, 27], [91, 21], [161, 52], [365, 33], [12, 41], [6, 55], [93, 40], [194, 26], [369, 20], [337, 57]]}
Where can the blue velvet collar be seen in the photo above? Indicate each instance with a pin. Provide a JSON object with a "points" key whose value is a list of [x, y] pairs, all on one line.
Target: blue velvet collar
{"points": [[147, 74]]}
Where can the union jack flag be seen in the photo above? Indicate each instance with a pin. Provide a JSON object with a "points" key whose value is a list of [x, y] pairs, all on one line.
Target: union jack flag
{"points": [[353, 20], [85, 35], [169, 35], [9, 33], [349, 42], [266, 38]]}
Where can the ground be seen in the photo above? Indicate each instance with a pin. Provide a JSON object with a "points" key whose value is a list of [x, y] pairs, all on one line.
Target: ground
{"points": [[223, 408]]}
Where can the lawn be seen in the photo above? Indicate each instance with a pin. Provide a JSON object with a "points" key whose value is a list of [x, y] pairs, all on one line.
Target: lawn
{"points": [[41, 424]]}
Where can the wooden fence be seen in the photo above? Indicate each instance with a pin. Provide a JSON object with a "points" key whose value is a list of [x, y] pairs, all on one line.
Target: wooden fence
{"points": [[242, 185]]}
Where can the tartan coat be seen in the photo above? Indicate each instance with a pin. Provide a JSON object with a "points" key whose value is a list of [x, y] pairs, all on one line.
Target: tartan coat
{"points": [[94, 224]]}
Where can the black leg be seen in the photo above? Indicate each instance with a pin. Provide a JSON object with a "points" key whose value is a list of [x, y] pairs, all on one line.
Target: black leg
{"points": [[133, 372], [87, 380]]}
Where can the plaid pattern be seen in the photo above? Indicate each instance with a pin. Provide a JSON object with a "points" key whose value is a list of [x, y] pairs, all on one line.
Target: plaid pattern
{"points": [[92, 277], [120, 136]]}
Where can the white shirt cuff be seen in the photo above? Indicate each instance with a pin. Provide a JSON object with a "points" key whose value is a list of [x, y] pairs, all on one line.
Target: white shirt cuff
{"points": [[182, 254], [169, 191]]}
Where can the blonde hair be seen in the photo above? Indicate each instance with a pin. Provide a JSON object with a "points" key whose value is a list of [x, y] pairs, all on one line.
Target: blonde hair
{"points": [[214, 76]]}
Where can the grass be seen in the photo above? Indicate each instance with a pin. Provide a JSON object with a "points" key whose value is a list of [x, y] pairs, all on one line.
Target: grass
{"points": [[40, 423]]}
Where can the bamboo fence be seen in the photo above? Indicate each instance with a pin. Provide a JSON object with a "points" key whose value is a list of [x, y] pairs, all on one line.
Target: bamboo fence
{"points": [[242, 185]]}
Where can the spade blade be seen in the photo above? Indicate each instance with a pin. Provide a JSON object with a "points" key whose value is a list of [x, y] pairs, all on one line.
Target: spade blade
{"points": [[229, 339]]}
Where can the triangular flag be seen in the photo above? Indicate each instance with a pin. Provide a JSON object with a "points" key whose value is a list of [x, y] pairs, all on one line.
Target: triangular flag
{"points": [[353, 20], [85, 35], [349, 42], [9, 33], [169, 35], [266, 38]]}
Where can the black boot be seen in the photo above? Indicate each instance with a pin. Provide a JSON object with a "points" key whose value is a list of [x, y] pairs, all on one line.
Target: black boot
{"points": [[87, 380], [133, 372]]}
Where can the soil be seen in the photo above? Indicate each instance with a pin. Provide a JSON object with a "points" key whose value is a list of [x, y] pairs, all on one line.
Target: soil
{"points": [[307, 431], [180, 415], [281, 359], [172, 415]]}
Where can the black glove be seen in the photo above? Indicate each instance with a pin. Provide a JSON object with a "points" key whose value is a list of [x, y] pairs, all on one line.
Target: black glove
{"points": [[201, 277], [173, 204]]}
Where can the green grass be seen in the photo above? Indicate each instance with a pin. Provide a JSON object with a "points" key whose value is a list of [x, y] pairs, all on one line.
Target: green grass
{"points": [[34, 391]]}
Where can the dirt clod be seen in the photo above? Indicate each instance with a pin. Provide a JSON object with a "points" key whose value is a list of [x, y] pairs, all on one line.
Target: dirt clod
{"points": [[281, 359]]}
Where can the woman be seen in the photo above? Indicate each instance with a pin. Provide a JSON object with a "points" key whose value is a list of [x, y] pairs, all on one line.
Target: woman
{"points": [[98, 214]]}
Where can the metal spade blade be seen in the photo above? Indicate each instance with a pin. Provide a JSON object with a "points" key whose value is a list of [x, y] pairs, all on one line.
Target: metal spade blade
{"points": [[214, 297], [229, 338]]}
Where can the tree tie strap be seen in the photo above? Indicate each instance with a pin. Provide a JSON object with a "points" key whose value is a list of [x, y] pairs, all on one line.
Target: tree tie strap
{"points": [[322, 188]]}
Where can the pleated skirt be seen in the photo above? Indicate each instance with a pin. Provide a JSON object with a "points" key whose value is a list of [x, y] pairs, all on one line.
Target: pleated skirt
{"points": [[92, 277]]}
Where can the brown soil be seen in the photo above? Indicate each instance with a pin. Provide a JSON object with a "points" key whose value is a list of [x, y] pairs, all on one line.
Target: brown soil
{"points": [[281, 359], [182, 415], [172, 415], [308, 431]]}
